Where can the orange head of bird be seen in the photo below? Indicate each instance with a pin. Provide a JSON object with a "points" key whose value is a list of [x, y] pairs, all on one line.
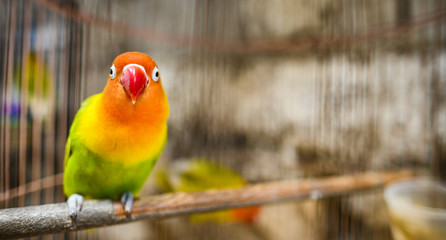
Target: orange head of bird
{"points": [[134, 84]]}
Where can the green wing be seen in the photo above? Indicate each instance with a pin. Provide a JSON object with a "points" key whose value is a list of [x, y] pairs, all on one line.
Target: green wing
{"points": [[78, 115]]}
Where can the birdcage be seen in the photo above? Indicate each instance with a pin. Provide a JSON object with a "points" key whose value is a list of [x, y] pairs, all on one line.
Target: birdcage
{"points": [[316, 105]]}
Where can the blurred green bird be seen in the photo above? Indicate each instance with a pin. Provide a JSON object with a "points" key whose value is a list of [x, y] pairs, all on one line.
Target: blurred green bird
{"points": [[201, 175], [38, 90]]}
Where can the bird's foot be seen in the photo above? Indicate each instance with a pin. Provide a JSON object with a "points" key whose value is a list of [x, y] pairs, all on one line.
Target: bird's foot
{"points": [[127, 203], [75, 202]]}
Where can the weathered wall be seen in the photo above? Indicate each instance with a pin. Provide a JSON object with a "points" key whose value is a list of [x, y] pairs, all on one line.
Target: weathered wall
{"points": [[276, 89], [293, 89]]}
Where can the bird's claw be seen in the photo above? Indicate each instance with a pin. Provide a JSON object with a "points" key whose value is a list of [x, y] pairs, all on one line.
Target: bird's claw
{"points": [[75, 202], [127, 203]]}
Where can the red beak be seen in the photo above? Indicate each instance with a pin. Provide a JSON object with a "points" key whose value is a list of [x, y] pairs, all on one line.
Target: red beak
{"points": [[134, 79]]}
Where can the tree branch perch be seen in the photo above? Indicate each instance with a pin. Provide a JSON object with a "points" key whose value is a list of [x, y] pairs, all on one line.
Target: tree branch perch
{"points": [[54, 218]]}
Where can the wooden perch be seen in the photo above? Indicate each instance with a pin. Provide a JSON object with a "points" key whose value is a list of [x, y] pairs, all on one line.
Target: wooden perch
{"points": [[54, 218]]}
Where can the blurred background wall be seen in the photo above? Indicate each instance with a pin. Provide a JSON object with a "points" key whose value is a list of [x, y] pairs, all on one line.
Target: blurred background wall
{"points": [[275, 89]]}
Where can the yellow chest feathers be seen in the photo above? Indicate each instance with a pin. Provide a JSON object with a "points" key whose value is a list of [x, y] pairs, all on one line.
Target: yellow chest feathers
{"points": [[124, 142]]}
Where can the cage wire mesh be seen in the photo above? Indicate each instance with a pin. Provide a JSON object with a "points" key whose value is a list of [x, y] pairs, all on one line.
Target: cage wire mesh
{"points": [[273, 89]]}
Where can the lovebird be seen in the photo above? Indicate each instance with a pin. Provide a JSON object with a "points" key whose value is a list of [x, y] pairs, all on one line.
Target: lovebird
{"points": [[117, 135], [38, 90], [201, 174]]}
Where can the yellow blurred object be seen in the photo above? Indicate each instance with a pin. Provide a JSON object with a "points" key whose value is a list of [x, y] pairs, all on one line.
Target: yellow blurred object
{"points": [[39, 87], [417, 209]]}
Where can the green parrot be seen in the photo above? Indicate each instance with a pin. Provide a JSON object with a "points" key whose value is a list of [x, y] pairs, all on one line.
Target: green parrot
{"points": [[200, 175], [117, 135], [39, 85]]}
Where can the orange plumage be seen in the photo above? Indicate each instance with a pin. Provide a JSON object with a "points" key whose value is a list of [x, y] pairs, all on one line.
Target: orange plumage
{"points": [[117, 135]]}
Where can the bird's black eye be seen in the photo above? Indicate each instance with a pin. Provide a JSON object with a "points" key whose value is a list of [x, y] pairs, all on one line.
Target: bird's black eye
{"points": [[155, 74], [113, 72]]}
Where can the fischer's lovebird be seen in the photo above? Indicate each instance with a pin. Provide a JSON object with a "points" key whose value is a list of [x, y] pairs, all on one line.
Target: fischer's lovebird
{"points": [[117, 135], [201, 174]]}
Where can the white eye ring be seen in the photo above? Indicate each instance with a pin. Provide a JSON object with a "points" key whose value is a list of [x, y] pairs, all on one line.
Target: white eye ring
{"points": [[155, 74], [113, 72]]}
